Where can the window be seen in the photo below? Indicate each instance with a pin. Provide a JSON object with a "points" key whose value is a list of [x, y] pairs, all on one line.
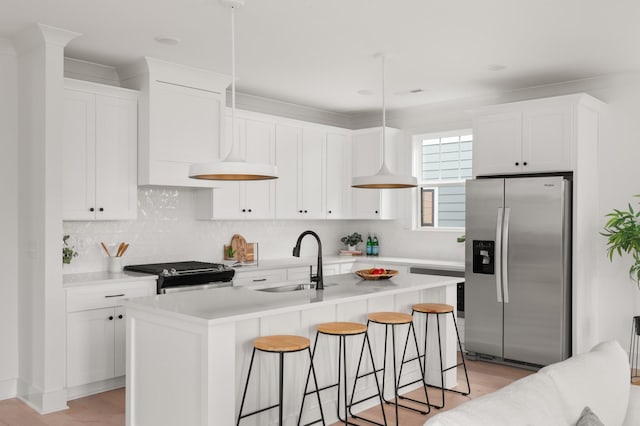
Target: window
{"points": [[444, 163]]}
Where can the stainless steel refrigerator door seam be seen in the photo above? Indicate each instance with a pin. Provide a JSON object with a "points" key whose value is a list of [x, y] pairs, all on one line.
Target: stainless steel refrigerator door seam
{"points": [[498, 254], [505, 255]]}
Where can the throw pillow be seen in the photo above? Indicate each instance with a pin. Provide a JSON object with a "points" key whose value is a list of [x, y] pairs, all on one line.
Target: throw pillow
{"points": [[588, 418]]}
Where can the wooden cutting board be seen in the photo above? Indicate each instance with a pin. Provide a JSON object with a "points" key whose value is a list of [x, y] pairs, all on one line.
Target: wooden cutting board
{"points": [[243, 251]]}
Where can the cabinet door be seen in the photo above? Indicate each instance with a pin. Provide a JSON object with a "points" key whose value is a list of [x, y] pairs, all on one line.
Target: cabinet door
{"points": [[259, 196], [287, 157], [546, 139], [338, 185], [116, 158], [497, 143], [78, 156], [312, 174], [120, 343], [365, 161], [184, 129], [90, 346]]}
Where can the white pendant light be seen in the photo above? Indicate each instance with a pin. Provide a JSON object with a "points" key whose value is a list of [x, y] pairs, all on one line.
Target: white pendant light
{"points": [[233, 168], [384, 179]]}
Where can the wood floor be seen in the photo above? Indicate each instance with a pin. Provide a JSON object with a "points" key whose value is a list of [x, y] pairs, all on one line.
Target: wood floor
{"points": [[107, 408]]}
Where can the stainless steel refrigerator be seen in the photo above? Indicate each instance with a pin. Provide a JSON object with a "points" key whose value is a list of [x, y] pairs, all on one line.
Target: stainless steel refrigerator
{"points": [[518, 269]]}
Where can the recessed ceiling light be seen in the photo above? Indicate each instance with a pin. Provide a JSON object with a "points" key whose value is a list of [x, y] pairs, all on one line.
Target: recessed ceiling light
{"points": [[364, 92], [496, 67], [170, 41]]}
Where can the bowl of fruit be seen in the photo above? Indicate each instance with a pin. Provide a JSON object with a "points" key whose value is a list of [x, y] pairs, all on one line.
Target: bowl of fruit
{"points": [[376, 273]]}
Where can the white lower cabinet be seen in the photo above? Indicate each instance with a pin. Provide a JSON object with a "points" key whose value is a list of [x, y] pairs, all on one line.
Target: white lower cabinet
{"points": [[96, 335], [95, 345]]}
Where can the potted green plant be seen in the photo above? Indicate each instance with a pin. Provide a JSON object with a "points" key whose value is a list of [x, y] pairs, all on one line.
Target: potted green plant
{"points": [[622, 231], [352, 240], [68, 251]]}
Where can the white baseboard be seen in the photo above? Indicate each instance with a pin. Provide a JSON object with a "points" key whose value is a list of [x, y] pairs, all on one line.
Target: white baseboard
{"points": [[96, 387], [8, 388], [42, 402]]}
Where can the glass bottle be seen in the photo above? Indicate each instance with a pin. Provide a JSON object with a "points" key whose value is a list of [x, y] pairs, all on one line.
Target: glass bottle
{"points": [[375, 247], [369, 245]]}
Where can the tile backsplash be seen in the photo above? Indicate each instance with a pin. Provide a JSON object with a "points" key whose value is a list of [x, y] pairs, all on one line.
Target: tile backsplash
{"points": [[166, 230]]}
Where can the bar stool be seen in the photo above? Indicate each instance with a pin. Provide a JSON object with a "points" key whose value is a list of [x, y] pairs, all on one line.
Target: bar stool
{"points": [[438, 309], [393, 319], [343, 330], [280, 344]]}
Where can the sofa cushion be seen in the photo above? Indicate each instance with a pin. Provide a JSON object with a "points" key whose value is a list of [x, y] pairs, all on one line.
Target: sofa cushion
{"points": [[529, 401], [598, 379]]}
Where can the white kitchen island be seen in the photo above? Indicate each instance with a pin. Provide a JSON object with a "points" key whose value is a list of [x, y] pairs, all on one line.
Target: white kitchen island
{"points": [[188, 353]]}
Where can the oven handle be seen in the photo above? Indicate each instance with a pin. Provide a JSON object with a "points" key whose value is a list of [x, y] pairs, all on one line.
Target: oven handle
{"points": [[197, 287]]}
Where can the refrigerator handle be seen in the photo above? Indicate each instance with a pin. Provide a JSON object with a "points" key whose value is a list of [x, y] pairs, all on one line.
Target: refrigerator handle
{"points": [[498, 255], [505, 255]]}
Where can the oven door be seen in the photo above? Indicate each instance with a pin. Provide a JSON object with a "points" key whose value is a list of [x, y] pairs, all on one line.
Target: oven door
{"points": [[196, 287]]}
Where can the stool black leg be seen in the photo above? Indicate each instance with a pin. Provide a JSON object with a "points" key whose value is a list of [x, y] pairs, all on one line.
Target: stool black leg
{"points": [[412, 331], [344, 376], [281, 388], [312, 370], [464, 364], [395, 382], [375, 376], [246, 386]]}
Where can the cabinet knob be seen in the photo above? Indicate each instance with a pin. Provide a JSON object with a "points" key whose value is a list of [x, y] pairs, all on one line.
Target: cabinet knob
{"points": [[91, 209], [111, 318], [329, 211], [120, 316], [376, 211], [299, 211], [306, 211], [524, 164], [101, 209], [244, 210], [249, 210], [517, 163]]}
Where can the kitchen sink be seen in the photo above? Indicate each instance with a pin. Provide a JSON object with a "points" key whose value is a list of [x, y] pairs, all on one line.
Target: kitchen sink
{"points": [[293, 287]]}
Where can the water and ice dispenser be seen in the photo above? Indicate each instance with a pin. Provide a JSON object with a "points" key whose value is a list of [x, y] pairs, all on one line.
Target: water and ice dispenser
{"points": [[483, 257]]}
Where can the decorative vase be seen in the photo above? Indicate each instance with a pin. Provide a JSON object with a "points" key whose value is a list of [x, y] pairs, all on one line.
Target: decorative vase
{"points": [[351, 248]]}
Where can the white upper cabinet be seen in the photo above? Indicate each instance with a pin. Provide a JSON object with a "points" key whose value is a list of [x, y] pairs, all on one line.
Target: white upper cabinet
{"points": [[366, 160], [255, 142], [338, 176], [528, 137], [300, 161], [181, 120], [99, 152]]}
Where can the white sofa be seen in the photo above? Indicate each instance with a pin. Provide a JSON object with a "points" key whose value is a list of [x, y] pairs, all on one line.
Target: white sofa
{"points": [[557, 394]]}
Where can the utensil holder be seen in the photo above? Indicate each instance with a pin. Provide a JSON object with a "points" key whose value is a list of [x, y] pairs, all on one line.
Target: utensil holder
{"points": [[115, 264]]}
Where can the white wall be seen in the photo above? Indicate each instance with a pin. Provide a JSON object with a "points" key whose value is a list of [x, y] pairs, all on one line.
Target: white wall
{"points": [[617, 299], [8, 220]]}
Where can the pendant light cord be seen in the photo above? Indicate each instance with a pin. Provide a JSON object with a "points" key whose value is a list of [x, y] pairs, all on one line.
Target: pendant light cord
{"points": [[384, 117], [233, 80]]}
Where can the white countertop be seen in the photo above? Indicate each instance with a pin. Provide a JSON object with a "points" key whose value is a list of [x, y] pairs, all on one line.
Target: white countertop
{"points": [[293, 262], [104, 277], [238, 303]]}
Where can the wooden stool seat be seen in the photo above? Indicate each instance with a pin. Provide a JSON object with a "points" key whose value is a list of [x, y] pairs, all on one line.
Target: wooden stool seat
{"points": [[342, 328], [432, 308], [281, 343], [390, 317]]}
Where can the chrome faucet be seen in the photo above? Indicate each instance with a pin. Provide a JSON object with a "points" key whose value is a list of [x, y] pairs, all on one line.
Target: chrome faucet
{"points": [[317, 278]]}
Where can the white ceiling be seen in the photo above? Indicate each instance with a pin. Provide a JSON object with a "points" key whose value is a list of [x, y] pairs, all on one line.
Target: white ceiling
{"points": [[319, 53]]}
